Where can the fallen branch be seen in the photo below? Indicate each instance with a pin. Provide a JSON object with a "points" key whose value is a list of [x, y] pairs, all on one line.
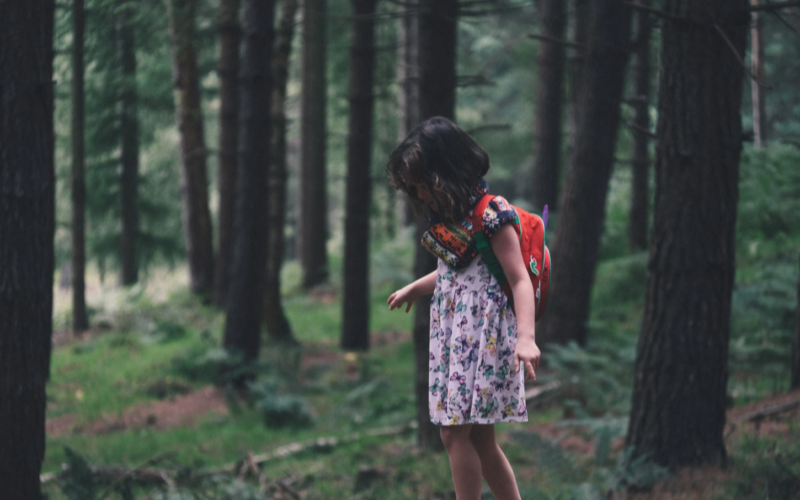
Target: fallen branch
{"points": [[131, 472], [769, 411], [537, 391]]}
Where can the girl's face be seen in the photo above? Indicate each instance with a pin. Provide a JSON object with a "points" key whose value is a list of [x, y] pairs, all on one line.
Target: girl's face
{"points": [[420, 191]]}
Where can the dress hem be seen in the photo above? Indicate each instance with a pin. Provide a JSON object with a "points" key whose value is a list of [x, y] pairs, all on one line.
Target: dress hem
{"points": [[483, 421]]}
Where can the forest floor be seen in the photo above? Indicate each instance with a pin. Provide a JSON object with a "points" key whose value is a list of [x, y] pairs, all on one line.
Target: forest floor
{"points": [[139, 386]]}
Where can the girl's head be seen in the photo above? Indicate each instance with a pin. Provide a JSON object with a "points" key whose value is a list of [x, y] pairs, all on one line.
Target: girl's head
{"points": [[438, 165]]}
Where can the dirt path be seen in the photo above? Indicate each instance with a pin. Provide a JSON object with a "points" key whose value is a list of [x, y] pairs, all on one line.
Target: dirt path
{"points": [[160, 415]]}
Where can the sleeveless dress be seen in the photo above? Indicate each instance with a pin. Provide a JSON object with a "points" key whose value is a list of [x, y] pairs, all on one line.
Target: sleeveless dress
{"points": [[473, 337]]}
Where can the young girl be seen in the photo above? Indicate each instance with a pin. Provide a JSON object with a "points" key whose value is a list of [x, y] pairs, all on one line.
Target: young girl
{"points": [[477, 343]]}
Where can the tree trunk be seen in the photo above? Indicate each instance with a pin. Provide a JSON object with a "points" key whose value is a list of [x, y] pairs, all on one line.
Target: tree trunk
{"points": [[313, 185], [579, 32], [437, 97], [549, 102], [678, 411], [796, 344], [27, 213], [229, 41], [248, 279], [355, 307], [129, 131], [80, 320], [408, 97], [278, 327], [582, 212], [637, 229], [194, 180], [758, 92]]}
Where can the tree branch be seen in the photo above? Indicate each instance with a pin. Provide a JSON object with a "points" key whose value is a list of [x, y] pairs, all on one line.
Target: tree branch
{"points": [[739, 58]]}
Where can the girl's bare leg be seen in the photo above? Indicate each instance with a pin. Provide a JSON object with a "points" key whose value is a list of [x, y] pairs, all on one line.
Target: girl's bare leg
{"points": [[494, 465], [464, 462]]}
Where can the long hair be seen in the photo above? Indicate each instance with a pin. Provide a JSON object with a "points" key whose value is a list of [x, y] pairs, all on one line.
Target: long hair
{"points": [[441, 156]]}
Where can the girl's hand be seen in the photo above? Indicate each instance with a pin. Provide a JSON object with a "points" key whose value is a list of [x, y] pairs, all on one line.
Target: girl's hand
{"points": [[528, 353], [406, 295]]}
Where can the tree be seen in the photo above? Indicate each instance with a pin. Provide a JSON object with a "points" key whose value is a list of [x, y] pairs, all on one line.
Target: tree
{"points": [[313, 198], [580, 222], [278, 327], [129, 131], [678, 411], [437, 95], [80, 320], [246, 295], [229, 41], [579, 31], [194, 180], [408, 96], [27, 179], [758, 92], [355, 317], [637, 229], [796, 344], [549, 103]]}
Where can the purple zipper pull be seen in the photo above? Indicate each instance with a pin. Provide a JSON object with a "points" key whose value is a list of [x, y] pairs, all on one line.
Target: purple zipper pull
{"points": [[545, 213]]}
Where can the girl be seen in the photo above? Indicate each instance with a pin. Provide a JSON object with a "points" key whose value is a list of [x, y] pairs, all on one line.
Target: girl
{"points": [[477, 343]]}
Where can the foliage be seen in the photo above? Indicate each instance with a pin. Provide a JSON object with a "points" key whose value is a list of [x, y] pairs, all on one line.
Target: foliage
{"points": [[766, 468], [79, 484]]}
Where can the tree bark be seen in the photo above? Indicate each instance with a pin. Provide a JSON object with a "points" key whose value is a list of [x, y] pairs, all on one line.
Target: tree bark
{"points": [[229, 42], [796, 344], [637, 229], [758, 92], [80, 320], [678, 411], [313, 184], [549, 103], [194, 179], [579, 32], [438, 25], [408, 97], [27, 213], [247, 291], [355, 304], [278, 327], [582, 212], [129, 131]]}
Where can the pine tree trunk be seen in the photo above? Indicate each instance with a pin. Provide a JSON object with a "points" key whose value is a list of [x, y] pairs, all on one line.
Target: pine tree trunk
{"points": [[408, 97], [194, 179], [678, 411], [758, 92], [637, 229], [278, 327], [249, 272], [129, 131], [313, 184], [27, 214], [437, 97], [796, 344], [582, 212], [80, 320], [579, 32], [549, 103], [355, 307], [229, 41]]}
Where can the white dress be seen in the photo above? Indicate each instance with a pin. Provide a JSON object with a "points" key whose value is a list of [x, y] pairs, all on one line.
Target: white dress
{"points": [[472, 343]]}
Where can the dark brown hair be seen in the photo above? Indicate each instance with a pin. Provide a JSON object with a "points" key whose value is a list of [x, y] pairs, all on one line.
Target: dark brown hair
{"points": [[440, 155]]}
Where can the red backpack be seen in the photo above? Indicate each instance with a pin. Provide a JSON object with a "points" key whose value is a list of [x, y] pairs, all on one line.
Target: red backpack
{"points": [[534, 251]]}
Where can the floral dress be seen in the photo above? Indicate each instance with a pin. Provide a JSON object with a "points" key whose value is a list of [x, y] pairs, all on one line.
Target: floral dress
{"points": [[472, 344]]}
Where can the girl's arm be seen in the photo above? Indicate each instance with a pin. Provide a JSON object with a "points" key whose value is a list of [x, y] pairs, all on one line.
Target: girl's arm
{"points": [[505, 245], [409, 293]]}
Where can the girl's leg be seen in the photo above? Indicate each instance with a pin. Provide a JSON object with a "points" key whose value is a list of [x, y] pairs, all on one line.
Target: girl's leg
{"points": [[464, 462], [494, 465]]}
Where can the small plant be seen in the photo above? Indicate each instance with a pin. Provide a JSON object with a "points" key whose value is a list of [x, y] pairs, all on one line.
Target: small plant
{"points": [[280, 409]]}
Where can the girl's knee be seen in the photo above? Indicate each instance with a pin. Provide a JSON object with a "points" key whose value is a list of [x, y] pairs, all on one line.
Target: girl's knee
{"points": [[482, 438], [453, 434]]}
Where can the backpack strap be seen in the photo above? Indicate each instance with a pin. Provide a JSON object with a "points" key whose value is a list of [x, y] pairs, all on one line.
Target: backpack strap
{"points": [[482, 243]]}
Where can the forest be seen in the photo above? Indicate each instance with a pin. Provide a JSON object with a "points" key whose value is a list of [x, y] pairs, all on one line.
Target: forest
{"points": [[198, 238]]}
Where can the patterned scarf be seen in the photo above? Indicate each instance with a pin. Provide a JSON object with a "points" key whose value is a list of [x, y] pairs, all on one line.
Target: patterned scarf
{"points": [[454, 243]]}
